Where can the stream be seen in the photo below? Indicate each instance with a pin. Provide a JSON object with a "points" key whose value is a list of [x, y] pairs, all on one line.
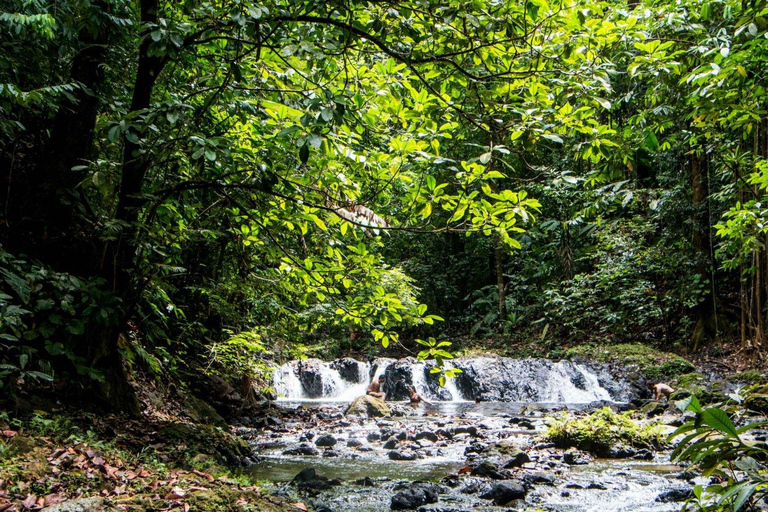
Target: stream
{"points": [[362, 462]]}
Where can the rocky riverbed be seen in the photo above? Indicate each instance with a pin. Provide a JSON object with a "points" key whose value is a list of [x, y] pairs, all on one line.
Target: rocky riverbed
{"points": [[453, 457]]}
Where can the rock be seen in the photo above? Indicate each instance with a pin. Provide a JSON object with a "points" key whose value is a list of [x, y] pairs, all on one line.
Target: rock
{"points": [[354, 443], [368, 405], [349, 369], [330, 453], [326, 440], [365, 482], [644, 455], [404, 455], [538, 479], [390, 444], [465, 430], [430, 436], [302, 449], [488, 470], [373, 436], [311, 377], [620, 451], [575, 457], [398, 378], [674, 495], [82, 505], [517, 460], [595, 485], [412, 499], [653, 408], [757, 402], [504, 492]]}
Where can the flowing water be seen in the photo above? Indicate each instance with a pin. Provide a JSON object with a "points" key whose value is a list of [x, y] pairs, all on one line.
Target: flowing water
{"points": [[514, 396]]}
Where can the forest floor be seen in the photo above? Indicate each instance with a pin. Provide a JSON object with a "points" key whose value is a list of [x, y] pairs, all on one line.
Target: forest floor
{"points": [[77, 460]]}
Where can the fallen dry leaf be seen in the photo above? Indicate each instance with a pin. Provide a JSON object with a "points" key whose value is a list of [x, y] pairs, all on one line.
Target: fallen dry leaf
{"points": [[9, 433], [175, 494], [30, 501], [207, 476], [300, 506]]}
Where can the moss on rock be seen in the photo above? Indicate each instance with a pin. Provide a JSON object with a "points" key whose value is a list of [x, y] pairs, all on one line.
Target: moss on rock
{"points": [[652, 363], [601, 431]]}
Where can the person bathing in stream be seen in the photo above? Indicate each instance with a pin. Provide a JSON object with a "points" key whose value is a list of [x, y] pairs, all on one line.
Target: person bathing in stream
{"points": [[415, 397], [660, 389], [374, 388]]}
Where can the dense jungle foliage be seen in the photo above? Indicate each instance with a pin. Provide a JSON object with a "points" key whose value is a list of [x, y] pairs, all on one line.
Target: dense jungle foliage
{"points": [[203, 185]]}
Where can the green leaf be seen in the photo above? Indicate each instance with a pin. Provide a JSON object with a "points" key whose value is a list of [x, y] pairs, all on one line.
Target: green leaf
{"points": [[719, 420]]}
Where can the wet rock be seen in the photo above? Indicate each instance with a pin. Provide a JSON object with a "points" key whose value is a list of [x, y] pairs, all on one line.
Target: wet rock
{"points": [[311, 377], [330, 453], [476, 447], [620, 451], [674, 495], [575, 457], [502, 493], [398, 378], [308, 480], [686, 475], [758, 401], [573, 486], [652, 409], [302, 449], [365, 482], [326, 440], [412, 499], [402, 411], [390, 444], [538, 479], [489, 470], [354, 443], [451, 481], [643, 455], [404, 455], [430, 436], [373, 436], [471, 430], [368, 405], [595, 485], [517, 460], [348, 368]]}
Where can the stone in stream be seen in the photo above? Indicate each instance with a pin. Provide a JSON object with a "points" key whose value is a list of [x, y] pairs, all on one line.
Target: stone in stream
{"points": [[489, 470], [503, 493], [354, 443], [517, 460], [390, 444], [348, 369], [302, 449], [575, 457], [368, 405], [674, 495], [412, 499], [325, 440], [404, 455], [308, 480]]}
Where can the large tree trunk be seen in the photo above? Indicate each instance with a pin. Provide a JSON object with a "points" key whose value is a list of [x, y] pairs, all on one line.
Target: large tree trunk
{"points": [[706, 323], [122, 253]]}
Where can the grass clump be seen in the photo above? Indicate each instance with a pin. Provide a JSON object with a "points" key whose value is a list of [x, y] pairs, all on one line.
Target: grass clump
{"points": [[602, 431]]}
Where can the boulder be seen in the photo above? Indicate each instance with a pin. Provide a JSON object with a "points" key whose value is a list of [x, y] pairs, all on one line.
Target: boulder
{"points": [[348, 369], [404, 455], [757, 402], [674, 495], [575, 457], [302, 449], [325, 440], [368, 405], [488, 470], [430, 436], [311, 377], [411, 499], [502, 493], [517, 460]]}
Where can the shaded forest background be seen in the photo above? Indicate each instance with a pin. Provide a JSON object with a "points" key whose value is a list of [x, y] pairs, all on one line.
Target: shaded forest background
{"points": [[203, 186]]}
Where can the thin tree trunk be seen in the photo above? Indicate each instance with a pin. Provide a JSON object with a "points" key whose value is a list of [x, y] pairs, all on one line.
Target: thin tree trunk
{"points": [[498, 257], [705, 329]]}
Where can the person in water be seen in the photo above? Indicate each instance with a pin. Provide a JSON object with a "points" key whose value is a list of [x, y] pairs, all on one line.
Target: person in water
{"points": [[415, 397], [660, 389], [374, 388]]}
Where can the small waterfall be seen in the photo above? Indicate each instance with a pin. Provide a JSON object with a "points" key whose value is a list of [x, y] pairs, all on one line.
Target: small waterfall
{"points": [[484, 378], [340, 380]]}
